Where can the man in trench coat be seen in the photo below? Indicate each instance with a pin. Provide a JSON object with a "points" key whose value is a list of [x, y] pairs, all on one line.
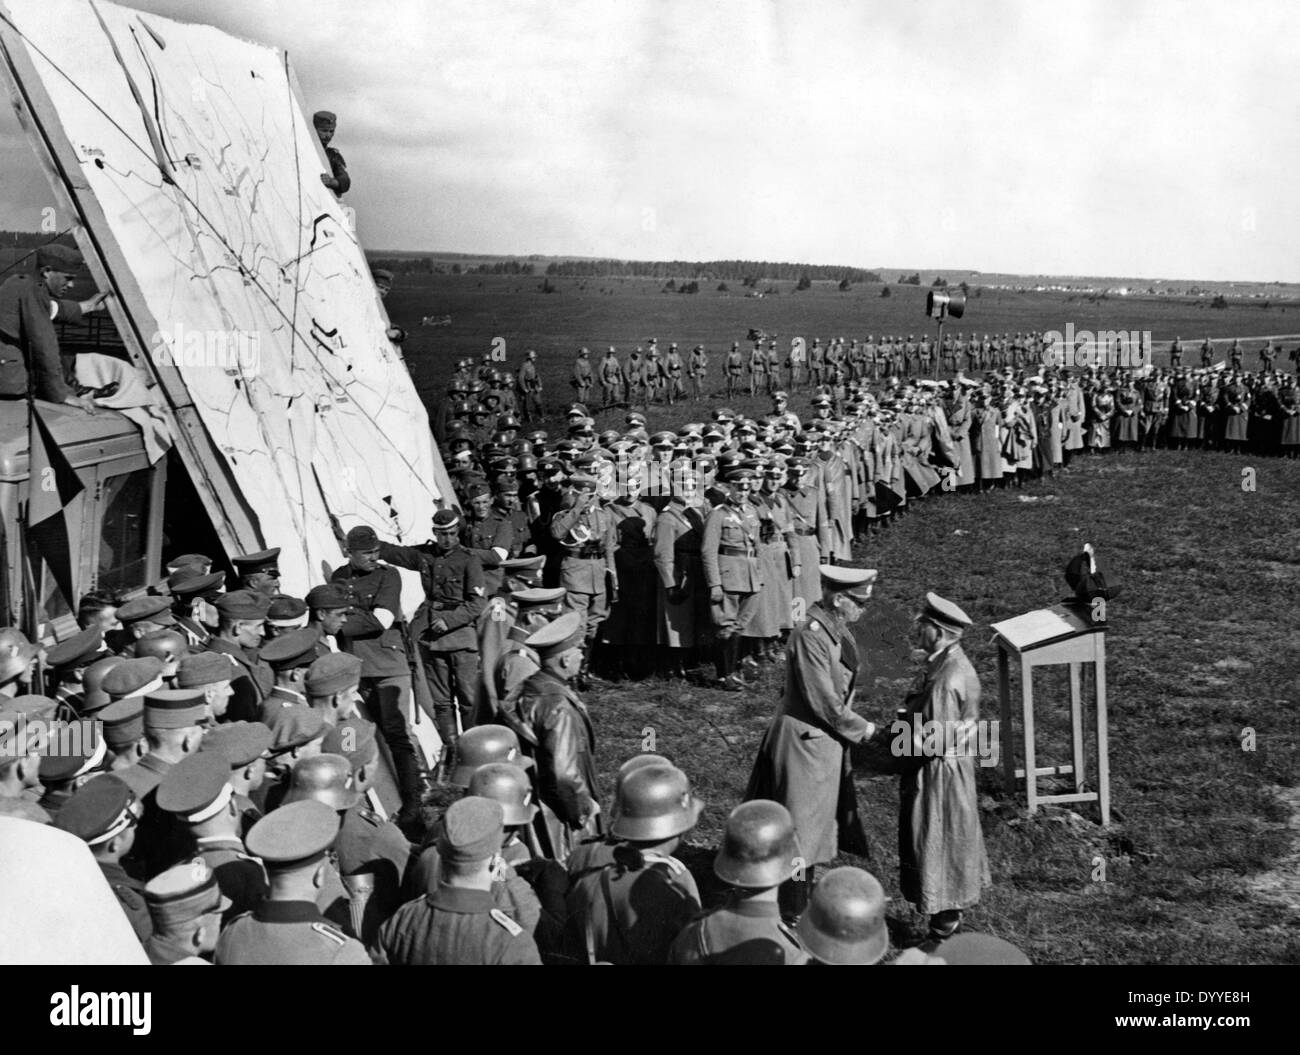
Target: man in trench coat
{"points": [[942, 862], [801, 762]]}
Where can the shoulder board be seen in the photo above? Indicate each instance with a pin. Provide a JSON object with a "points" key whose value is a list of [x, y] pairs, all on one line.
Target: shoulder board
{"points": [[128, 897], [330, 933], [370, 817], [814, 625], [790, 933], [506, 923]]}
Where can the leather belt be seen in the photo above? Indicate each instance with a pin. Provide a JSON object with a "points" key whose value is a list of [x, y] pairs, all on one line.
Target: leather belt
{"points": [[590, 552], [805, 532], [733, 551]]}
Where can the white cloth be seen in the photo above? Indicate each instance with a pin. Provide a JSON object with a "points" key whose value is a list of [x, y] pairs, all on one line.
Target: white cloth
{"points": [[133, 399]]}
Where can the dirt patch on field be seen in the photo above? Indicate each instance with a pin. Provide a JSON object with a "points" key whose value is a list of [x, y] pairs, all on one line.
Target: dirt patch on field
{"points": [[1280, 885]]}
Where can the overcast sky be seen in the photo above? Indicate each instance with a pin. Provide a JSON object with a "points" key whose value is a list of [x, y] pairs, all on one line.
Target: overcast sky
{"points": [[1155, 138]]}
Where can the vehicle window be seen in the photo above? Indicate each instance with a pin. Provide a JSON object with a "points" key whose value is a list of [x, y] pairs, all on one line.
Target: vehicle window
{"points": [[124, 533]]}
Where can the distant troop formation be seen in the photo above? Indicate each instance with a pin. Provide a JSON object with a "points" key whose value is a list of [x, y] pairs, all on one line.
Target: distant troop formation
{"points": [[646, 377]]}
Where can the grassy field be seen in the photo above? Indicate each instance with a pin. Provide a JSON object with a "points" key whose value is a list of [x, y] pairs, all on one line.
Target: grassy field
{"points": [[1199, 865]]}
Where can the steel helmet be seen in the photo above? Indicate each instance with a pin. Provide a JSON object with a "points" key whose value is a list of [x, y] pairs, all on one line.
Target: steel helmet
{"points": [[636, 762], [91, 681], [653, 803], [167, 645], [759, 846], [481, 745], [844, 923], [324, 778], [984, 950], [509, 785]]}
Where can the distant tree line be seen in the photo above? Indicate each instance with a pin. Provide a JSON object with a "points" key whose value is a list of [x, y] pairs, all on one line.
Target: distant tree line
{"points": [[425, 265], [747, 272]]}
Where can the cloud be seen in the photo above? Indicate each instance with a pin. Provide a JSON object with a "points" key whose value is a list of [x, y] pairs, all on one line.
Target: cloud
{"points": [[1160, 138]]}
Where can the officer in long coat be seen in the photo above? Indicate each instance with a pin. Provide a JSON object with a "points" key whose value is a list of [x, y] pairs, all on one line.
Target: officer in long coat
{"points": [[780, 560], [1128, 423], [682, 604], [1182, 412], [556, 733], [806, 506], [801, 761], [942, 862]]}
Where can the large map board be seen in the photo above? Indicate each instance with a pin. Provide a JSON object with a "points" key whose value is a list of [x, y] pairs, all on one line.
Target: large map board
{"points": [[195, 176]]}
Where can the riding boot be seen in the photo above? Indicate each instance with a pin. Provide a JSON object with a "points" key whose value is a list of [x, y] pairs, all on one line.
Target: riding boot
{"points": [[721, 656]]}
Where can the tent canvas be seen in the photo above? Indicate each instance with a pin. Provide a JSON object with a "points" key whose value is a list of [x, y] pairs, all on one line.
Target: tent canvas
{"points": [[193, 173]]}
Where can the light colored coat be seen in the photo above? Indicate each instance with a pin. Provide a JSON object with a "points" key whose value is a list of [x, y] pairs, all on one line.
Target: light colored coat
{"points": [[942, 861], [801, 762]]}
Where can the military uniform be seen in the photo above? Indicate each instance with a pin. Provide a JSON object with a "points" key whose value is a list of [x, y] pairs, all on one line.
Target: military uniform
{"points": [[372, 847], [744, 932], [287, 933], [611, 379], [634, 525], [252, 682], [454, 593], [587, 534], [682, 600], [511, 892], [733, 368], [530, 389], [673, 373], [27, 311], [281, 698], [555, 731], [240, 876], [454, 925], [483, 538], [942, 862], [817, 362], [635, 377], [729, 553], [699, 368], [806, 507], [773, 368], [629, 911], [130, 895], [581, 379], [757, 369], [801, 762]]}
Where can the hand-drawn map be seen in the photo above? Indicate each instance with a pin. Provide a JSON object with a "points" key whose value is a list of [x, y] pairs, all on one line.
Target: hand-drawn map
{"points": [[206, 175]]}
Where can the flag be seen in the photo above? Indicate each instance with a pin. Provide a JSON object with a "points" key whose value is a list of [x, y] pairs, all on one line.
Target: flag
{"points": [[52, 485]]}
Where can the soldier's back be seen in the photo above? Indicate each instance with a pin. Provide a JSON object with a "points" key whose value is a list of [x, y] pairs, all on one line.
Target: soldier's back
{"points": [[288, 933], [454, 925], [747, 933], [630, 911]]}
